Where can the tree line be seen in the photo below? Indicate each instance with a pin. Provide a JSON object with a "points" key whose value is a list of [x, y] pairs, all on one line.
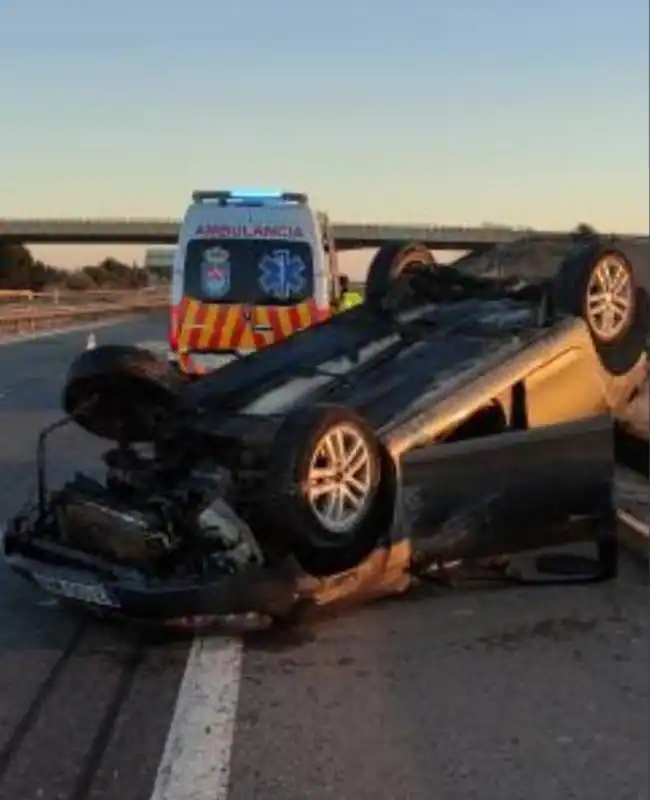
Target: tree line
{"points": [[20, 270]]}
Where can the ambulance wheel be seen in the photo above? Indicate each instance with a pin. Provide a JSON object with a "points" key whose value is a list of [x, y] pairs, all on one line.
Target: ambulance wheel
{"points": [[385, 284], [120, 393], [597, 282], [326, 494]]}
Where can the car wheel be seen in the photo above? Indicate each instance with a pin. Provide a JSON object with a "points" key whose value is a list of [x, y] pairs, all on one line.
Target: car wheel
{"points": [[120, 393], [325, 491], [391, 263], [598, 284]]}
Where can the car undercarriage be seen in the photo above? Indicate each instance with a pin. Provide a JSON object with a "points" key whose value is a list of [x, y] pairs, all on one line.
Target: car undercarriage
{"points": [[209, 505]]}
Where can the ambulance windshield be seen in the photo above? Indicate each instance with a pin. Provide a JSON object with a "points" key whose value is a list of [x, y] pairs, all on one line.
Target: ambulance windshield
{"points": [[250, 271]]}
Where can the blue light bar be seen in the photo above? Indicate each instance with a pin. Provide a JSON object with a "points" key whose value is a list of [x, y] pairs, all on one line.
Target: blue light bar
{"points": [[256, 194], [248, 196]]}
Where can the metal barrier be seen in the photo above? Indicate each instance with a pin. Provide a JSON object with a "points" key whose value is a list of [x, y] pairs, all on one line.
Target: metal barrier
{"points": [[45, 312], [69, 297]]}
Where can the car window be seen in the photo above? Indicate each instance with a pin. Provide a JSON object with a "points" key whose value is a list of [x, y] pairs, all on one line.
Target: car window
{"points": [[252, 271]]}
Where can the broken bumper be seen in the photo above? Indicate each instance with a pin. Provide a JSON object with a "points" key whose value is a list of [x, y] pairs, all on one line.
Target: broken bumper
{"points": [[554, 486], [285, 592], [270, 592]]}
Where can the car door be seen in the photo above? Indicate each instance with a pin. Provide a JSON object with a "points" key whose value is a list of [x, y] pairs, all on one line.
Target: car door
{"points": [[507, 492], [568, 383]]}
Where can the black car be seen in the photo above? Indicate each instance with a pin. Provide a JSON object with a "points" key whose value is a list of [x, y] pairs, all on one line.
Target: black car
{"points": [[450, 421]]}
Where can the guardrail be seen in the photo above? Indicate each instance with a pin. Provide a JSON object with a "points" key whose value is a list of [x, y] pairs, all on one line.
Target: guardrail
{"points": [[9, 295], [66, 297], [51, 311]]}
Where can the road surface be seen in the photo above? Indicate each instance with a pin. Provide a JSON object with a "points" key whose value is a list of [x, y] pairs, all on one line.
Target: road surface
{"points": [[520, 694]]}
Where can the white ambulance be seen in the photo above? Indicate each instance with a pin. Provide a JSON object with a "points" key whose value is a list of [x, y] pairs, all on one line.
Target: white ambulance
{"points": [[250, 268]]}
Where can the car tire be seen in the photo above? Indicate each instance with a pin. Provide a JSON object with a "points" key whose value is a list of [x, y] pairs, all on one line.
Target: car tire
{"points": [[320, 542], [579, 286], [391, 263], [120, 393]]}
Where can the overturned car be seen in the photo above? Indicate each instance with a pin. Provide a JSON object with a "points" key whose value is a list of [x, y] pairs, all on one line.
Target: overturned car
{"points": [[450, 422]]}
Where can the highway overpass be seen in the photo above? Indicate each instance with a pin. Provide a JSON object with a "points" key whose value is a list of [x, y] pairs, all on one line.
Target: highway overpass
{"points": [[349, 236]]}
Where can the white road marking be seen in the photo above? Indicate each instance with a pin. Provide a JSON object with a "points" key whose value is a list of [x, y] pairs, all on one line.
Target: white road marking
{"points": [[631, 497], [637, 525], [196, 760]]}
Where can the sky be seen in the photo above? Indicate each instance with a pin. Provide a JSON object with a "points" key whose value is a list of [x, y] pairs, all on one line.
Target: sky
{"points": [[432, 111]]}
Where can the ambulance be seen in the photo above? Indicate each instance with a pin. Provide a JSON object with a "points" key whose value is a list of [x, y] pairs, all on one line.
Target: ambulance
{"points": [[250, 268]]}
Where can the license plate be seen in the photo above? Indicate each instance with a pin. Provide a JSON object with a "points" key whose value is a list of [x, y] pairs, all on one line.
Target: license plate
{"points": [[90, 592]]}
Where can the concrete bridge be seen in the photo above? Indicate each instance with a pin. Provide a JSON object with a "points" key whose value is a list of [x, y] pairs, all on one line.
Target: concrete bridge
{"points": [[348, 236]]}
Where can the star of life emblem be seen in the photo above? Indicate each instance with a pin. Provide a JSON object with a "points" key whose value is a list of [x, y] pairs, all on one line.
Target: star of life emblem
{"points": [[283, 274]]}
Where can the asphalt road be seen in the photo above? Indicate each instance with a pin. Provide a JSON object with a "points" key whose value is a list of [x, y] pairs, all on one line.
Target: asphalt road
{"points": [[521, 694]]}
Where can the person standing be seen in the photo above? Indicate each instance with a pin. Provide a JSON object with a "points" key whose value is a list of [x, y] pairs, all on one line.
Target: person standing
{"points": [[348, 298]]}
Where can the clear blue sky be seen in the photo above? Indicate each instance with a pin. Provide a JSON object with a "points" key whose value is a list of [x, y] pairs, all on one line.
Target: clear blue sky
{"points": [[418, 110]]}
